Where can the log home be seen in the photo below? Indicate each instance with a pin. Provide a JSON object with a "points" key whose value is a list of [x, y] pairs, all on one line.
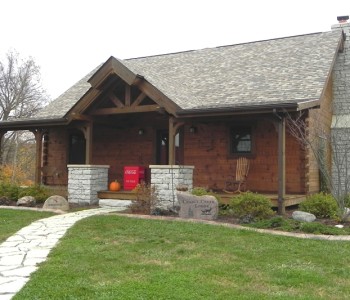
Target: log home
{"points": [[203, 108]]}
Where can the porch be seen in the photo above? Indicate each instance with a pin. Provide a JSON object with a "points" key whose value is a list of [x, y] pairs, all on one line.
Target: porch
{"points": [[289, 200]]}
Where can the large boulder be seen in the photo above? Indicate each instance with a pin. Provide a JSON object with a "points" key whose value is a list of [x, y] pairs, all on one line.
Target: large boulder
{"points": [[303, 216], [197, 207], [28, 201], [56, 202]]}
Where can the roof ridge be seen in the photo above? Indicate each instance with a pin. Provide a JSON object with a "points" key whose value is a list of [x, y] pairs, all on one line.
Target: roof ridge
{"points": [[223, 46]]}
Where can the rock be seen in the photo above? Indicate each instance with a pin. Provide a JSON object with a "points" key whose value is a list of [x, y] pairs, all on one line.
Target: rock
{"points": [[56, 202], [346, 214], [28, 201], [303, 216], [5, 201], [182, 187], [197, 207], [114, 203]]}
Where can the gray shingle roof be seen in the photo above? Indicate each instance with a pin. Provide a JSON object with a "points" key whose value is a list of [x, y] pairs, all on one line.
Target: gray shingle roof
{"points": [[285, 70], [274, 71]]}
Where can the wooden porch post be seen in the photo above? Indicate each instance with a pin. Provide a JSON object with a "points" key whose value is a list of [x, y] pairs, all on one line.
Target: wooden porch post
{"points": [[2, 133], [88, 138], [281, 165], [173, 128], [38, 134]]}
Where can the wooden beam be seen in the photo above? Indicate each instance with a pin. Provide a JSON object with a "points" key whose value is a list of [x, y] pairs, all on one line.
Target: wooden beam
{"points": [[139, 99], [111, 67], [157, 96], [174, 126], [127, 95], [87, 130], [81, 117], [281, 165], [125, 110], [117, 102], [38, 134], [88, 138], [2, 133]]}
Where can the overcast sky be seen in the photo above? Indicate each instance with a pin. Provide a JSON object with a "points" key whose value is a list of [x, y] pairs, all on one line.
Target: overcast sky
{"points": [[68, 38]]}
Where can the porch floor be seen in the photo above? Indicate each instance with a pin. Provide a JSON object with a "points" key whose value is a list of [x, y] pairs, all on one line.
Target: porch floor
{"points": [[289, 200]]}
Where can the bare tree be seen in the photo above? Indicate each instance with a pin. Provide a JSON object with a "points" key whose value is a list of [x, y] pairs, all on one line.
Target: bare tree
{"points": [[21, 95], [330, 147]]}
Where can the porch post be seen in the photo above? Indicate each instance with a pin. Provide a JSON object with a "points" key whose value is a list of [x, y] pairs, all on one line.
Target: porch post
{"points": [[88, 129], [2, 133], [281, 165], [172, 134], [38, 134], [173, 129]]}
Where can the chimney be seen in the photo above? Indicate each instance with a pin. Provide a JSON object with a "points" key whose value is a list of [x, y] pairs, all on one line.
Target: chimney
{"points": [[342, 19]]}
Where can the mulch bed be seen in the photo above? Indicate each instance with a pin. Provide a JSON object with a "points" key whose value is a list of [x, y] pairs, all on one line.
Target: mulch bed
{"points": [[221, 219]]}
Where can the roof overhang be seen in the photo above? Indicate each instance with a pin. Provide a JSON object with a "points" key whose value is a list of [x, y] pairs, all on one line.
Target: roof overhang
{"points": [[251, 109], [32, 124]]}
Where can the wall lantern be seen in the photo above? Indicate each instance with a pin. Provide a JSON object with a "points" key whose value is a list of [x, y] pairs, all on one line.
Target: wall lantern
{"points": [[193, 129], [141, 131]]}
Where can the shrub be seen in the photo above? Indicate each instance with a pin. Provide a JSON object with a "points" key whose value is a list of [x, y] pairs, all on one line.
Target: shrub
{"points": [[39, 192], [200, 191], [321, 205], [145, 199], [250, 207], [319, 228], [9, 190], [277, 222]]}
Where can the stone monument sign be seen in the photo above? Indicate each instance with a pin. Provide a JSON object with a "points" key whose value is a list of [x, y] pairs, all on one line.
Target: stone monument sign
{"points": [[56, 202], [197, 207]]}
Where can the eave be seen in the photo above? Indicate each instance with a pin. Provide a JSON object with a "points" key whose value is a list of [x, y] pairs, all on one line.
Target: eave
{"points": [[32, 124], [250, 109]]}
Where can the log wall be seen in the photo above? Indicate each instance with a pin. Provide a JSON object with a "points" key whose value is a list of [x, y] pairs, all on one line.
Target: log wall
{"points": [[207, 150]]}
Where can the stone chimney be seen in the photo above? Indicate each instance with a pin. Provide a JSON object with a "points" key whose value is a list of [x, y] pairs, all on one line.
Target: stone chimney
{"points": [[341, 73], [340, 129]]}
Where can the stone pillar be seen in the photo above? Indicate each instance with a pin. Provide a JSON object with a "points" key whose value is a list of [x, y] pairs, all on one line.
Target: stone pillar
{"points": [[165, 179], [84, 181]]}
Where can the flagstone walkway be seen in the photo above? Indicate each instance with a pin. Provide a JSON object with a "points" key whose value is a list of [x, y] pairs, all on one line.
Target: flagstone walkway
{"points": [[21, 253]]}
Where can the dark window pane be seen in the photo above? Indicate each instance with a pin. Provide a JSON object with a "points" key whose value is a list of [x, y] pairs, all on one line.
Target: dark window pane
{"points": [[241, 140]]}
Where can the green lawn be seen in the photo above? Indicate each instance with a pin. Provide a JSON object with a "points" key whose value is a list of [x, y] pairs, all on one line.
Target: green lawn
{"points": [[116, 257], [12, 220]]}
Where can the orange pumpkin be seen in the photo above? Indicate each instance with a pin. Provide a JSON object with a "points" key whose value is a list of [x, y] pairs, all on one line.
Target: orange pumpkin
{"points": [[114, 186]]}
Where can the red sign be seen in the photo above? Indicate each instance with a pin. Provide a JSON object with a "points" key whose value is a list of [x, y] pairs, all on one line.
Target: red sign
{"points": [[133, 175]]}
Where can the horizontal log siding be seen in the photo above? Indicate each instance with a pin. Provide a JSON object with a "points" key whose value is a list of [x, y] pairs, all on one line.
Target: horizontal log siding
{"points": [[207, 150], [57, 156], [122, 147]]}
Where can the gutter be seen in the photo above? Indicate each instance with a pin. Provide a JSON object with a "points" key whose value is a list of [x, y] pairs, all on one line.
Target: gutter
{"points": [[256, 109], [28, 123], [249, 109]]}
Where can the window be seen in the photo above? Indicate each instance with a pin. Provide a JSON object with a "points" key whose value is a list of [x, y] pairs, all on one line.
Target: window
{"points": [[241, 140]]}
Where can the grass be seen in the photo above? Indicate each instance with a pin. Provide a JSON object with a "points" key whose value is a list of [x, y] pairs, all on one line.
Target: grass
{"points": [[12, 220], [115, 257]]}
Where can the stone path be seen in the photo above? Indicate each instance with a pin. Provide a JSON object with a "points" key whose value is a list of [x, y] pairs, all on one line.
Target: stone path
{"points": [[21, 253]]}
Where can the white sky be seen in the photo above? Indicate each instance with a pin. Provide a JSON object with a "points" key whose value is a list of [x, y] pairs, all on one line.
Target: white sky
{"points": [[68, 38]]}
